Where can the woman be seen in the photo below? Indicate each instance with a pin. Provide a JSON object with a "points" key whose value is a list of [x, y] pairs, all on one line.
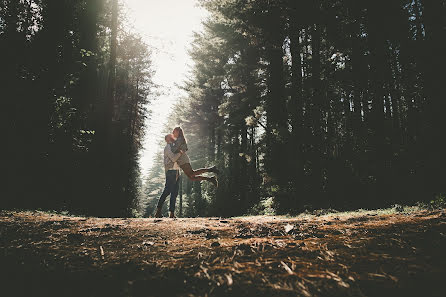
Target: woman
{"points": [[180, 144]]}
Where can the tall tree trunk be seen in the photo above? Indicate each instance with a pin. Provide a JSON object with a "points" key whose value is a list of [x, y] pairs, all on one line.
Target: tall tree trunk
{"points": [[379, 65], [112, 63], [181, 194], [88, 41], [276, 162], [296, 106], [111, 158], [317, 106], [355, 125], [434, 64]]}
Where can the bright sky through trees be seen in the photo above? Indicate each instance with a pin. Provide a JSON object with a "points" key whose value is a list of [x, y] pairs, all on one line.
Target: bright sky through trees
{"points": [[167, 26]]}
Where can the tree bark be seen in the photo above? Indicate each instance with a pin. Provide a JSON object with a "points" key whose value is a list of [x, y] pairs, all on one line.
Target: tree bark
{"points": [[296, 106]]}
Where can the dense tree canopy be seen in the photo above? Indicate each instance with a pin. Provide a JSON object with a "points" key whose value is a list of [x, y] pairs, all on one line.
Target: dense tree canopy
{"points": [[75, 87], [318, 103], [302, 104]]}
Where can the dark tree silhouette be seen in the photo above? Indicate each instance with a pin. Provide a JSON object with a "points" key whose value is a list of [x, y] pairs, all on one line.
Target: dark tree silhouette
{"points": [[342, 103], [74, 106]]}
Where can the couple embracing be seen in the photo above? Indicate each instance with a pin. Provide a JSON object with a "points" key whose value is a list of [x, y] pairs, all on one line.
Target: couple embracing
{"points": [[175, 157]]}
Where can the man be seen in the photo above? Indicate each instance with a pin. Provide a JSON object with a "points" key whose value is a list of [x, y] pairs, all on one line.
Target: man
{"points": [[172, 175]]}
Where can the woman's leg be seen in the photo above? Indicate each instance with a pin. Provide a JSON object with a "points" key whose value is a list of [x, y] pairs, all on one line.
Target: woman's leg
{"points": [[192, 175], [187, 168]]}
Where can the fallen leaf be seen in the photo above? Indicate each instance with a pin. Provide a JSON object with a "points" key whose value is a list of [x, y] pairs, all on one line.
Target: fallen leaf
{"points": [[288, 228]]}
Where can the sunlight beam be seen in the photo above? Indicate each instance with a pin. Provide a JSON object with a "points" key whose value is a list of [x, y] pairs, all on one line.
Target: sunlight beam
{"points": [[167, 26]]}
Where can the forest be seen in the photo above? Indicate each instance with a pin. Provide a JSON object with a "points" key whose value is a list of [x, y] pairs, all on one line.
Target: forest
{"points": [[76, 84], [324, 119], [313, 104], [302, 104]]}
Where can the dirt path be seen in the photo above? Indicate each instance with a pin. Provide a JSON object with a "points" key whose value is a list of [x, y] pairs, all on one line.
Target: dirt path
{"points": [[364, 254]]}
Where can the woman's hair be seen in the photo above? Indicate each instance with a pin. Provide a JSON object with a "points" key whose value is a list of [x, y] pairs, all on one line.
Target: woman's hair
{"points": [[180, 131]]}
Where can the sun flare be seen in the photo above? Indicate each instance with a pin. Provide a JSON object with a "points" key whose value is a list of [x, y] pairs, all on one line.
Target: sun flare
{"points": [[167, 27]]}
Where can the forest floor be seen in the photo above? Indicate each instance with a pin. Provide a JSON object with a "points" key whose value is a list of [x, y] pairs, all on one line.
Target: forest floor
{"points": [[364, 253]]}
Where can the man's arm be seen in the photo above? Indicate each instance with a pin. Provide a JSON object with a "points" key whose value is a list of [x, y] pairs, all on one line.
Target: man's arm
{"points": [[171, 155]]}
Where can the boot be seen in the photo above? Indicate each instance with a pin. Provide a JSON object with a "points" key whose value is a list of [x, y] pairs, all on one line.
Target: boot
{"points": [[158, 213], [214, 170], [214, 180], [172, 215]]}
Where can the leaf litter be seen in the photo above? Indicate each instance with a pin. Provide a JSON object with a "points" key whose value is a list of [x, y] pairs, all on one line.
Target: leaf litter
{"points": [[320, 255]]}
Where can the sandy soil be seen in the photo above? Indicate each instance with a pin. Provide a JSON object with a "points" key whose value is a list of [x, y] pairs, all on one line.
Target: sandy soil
{"points": [[356, 254]]}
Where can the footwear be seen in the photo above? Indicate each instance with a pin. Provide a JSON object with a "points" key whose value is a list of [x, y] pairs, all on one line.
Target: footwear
{"points": [[214, 180], [172, 215], [214, 170], [158, 213]]}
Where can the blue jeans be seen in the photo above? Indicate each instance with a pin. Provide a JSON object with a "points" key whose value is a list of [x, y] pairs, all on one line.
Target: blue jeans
{"points": [[171, 187]]}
